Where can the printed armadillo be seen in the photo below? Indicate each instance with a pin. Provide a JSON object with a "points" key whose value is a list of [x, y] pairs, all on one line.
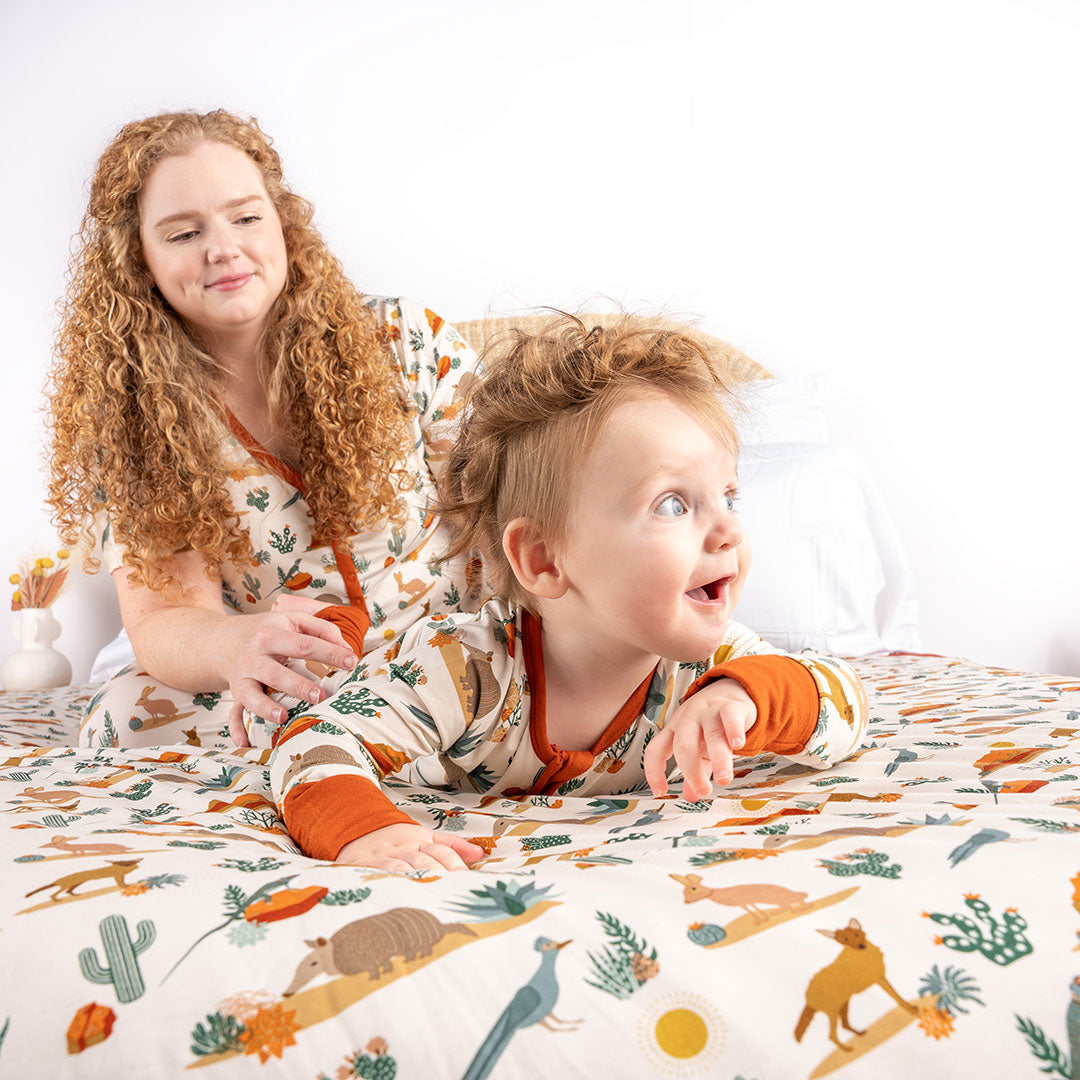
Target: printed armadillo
{"points": [[371, 944], [318, 755]]}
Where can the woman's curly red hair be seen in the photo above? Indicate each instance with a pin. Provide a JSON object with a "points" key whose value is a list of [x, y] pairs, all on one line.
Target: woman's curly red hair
{"points": [[135, 402]]}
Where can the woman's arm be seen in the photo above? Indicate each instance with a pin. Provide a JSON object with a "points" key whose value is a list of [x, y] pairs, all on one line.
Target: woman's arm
{"points": [[188, 641]]}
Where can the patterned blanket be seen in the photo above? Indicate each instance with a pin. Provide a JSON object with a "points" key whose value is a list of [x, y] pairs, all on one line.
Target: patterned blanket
{"points": [[914, 911]]}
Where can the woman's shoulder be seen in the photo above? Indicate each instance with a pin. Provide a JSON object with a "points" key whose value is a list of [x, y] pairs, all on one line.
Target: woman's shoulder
{"points": [[409, 321]]}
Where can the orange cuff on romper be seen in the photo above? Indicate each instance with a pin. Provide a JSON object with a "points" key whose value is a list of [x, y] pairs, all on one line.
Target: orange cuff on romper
{"points": [[786, 697], [324, 816], [353, 622]]}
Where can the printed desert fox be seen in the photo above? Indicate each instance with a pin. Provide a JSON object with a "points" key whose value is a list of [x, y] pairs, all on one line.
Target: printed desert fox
{"points": [[748, 897], [858, 967], [117, 869]]}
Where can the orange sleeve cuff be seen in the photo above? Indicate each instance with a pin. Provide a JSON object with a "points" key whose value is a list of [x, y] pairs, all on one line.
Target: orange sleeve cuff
{"points": [[353, 622], [322, 817], [785, 695]]}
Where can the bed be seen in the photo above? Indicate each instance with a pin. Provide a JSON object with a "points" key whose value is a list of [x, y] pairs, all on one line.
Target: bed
{"points": [[156, 917], [913, 911]]}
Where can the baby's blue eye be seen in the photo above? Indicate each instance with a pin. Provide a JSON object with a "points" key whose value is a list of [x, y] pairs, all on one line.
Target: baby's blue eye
{"points": [[671, 506], [730, 499]]}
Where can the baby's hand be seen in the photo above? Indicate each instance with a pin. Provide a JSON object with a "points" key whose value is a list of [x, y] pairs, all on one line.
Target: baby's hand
{"points": [[410, 847], [702, 734]]}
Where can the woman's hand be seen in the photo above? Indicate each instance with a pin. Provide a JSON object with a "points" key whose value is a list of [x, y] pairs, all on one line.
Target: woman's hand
{"points": [[258, 649], [410, 847], [702, 735]]}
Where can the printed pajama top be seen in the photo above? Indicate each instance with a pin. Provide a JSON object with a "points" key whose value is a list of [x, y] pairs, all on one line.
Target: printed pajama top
{"points": [[391, 574], [457, 703]]}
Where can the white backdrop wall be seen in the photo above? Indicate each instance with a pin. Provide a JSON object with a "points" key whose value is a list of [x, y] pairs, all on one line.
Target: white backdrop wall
{"points": [[881, 191]]}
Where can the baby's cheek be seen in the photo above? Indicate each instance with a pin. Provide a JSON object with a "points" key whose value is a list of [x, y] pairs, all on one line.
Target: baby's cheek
{"points": [[745, 556]]}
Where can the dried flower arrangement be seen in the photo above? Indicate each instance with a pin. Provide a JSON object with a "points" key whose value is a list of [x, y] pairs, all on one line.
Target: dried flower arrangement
{"points": [[40, 581]]}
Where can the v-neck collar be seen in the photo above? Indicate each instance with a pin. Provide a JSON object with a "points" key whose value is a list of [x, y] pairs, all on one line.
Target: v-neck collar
{"points": [[561, 765], [261, 454], [342, 555]]}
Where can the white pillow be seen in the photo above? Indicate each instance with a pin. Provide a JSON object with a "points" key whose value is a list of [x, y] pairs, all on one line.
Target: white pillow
{"points": [[828, 571], [113, 657]]}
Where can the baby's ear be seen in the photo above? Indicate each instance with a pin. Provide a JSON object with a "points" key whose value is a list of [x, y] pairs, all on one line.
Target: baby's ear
{"points": [[532, 558]]}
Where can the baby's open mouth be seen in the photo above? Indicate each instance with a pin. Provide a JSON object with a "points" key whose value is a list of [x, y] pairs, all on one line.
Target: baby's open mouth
{"points": [[711, 591]]}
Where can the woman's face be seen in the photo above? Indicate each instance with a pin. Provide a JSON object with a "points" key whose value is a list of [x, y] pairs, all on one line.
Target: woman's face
{"points": [[213, 243]]}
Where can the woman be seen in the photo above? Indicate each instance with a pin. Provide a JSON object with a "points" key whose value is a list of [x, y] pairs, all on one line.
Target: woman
{"points": [[251, 436]]}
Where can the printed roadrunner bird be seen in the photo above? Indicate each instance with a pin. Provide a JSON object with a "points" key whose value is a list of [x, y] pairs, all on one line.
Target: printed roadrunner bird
{"points": [[974, 842], [530, 1005]]}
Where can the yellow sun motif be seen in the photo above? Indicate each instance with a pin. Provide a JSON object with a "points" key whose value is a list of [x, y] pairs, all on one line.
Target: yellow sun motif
{"points": [[682, 1035]]}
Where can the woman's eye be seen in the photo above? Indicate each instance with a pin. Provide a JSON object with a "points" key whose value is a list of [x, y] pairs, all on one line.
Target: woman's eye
{"points": [[248, 219], [671, 506], [179, 238]]}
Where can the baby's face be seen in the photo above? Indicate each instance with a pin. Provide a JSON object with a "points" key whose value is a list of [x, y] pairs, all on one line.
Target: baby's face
{"points": [[654, 554]]}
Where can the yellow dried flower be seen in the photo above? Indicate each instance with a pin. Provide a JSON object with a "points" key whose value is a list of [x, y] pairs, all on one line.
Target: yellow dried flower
{"points": [[45, 562], [63, 553], [15, 579], [16, 597]]}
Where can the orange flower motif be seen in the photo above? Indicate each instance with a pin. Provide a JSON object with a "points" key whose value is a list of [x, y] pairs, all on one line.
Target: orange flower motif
{"points": [[441, 638], [135, 889], [269, 1031], [938, 940], [378, 1046], [971, 896], [936, 1023]]}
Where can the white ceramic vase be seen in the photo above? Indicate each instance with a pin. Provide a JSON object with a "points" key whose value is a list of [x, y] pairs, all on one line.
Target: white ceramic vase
{"points": [[35, 665]]}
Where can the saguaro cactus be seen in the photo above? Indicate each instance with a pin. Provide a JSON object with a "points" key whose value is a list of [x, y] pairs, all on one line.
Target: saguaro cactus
{"points": [[120, 951]]}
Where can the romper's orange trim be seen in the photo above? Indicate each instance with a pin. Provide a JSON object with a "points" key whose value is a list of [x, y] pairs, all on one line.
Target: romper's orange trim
{"points": [[324, 816], [561, 765], [342, 557], [262, 455], [784, 694]]}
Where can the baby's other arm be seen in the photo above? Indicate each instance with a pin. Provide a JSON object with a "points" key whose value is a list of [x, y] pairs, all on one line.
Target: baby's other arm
{"points": [[810, 708], [702, 735]]}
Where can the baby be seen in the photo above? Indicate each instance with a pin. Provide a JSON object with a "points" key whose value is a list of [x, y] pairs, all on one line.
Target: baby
{"points": [[596, 473]]}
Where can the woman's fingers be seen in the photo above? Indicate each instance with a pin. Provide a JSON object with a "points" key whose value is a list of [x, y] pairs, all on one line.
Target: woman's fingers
{"points": [[303, 604], [236, 725], [249, 694]]}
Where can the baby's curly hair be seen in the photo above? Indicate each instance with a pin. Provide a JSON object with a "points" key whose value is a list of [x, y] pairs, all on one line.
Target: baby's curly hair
{"points": [[135, 404], [531, 421]]}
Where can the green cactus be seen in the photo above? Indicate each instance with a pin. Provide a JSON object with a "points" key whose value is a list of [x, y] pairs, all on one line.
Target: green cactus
{"points": [[361, 700], [537, 843], [875, 863], [1002, 942], [704, 934], [409, 672], [379, 1067], [120, 951]]}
